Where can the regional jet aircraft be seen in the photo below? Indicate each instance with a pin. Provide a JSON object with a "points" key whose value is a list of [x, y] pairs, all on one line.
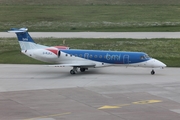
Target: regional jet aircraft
{"points": [[80, 59]]}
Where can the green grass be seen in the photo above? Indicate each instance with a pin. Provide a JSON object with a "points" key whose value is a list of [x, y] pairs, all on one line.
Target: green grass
{"points": [[91, 17], [87, 2], [166, 50]]}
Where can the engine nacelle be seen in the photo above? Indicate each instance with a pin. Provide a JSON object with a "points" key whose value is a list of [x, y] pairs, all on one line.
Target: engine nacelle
{"points": [[55, 51], [62, 47], [46, 55], [59, 53]]}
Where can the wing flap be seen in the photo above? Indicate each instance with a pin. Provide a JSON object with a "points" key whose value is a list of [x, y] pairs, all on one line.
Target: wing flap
{"points": [[74, 65]]}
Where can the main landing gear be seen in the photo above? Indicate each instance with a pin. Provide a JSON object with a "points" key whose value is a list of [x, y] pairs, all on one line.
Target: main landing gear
{"points": [[75, 70], [83, 69], [152, 72]]}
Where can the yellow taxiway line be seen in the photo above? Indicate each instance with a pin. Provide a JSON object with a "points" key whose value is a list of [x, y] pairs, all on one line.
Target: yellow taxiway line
{"points": [[61, 114], [136, 103]]}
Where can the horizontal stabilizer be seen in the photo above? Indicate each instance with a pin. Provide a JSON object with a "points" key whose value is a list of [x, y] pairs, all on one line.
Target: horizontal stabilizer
{"points": [[15, 30]]}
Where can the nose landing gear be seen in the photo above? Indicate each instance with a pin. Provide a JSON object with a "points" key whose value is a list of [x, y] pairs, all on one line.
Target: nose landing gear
{"points": [[152, 72]]}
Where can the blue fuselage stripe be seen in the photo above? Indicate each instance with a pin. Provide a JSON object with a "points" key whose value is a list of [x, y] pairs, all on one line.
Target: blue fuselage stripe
{"points": [[111, 57]]}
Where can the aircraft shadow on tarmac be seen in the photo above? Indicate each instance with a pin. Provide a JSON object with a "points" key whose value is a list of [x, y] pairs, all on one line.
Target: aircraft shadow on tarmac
{"points": [[55, 74]]}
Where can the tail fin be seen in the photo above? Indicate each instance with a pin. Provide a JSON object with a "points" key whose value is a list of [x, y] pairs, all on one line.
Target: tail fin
{"points": [[25, 40]]}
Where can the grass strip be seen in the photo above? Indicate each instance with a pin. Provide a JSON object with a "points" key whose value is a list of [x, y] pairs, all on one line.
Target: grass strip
{"points": [[166, 50], [91, 17]]}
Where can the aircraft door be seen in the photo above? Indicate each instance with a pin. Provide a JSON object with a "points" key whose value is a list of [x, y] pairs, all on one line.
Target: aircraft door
{"points": [[126, 59]]}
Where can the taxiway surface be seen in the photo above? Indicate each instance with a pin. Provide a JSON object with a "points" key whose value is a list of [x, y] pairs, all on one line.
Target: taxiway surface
{"points": [[133, 35], [37, 92]]}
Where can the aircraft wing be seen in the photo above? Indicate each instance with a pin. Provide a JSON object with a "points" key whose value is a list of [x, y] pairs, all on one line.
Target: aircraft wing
{"points": [[84, 65]]}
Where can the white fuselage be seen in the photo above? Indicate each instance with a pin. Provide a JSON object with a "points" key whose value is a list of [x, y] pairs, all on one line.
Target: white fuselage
{"points": [[64, 58]]}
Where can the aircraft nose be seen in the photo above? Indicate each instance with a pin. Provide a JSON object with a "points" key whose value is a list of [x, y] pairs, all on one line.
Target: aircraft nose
{"points": [[154, 63], [158, 63]]}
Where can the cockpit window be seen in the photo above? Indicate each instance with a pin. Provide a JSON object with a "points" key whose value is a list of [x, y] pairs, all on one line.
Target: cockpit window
{"points": [[144, 57]]}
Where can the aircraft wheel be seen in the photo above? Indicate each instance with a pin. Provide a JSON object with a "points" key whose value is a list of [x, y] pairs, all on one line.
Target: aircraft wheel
{"points": [[152, 72], [82, 69], [72, 72]]}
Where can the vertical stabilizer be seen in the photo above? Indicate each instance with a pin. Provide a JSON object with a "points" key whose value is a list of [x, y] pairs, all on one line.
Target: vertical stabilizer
{"points": [[25, 40]]}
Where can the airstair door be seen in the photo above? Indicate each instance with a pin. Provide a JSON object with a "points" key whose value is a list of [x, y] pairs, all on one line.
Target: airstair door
{"points": [[126, 59]]}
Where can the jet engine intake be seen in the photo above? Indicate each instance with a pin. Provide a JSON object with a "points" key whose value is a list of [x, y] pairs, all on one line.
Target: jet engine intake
{"points": [[58, 53]]}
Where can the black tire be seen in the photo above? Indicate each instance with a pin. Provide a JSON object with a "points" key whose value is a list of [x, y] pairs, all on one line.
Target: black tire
{"points": [[82, 69], [72, 72], [152, 72]]}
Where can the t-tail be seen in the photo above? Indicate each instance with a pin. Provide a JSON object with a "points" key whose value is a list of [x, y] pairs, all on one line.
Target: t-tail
{"points": [[25, 40]]}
